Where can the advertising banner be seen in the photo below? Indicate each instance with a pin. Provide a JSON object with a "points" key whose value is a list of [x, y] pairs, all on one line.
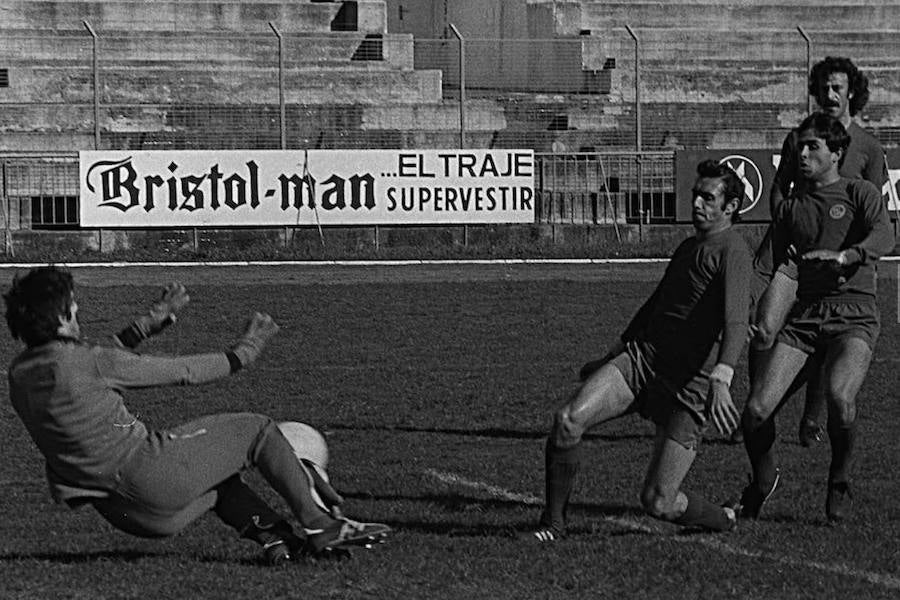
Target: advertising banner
{"points": [[757, 170], [221, 188]]}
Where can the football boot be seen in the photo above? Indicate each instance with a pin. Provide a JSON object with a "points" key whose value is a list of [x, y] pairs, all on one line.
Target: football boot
{"points": [[753, 498]]}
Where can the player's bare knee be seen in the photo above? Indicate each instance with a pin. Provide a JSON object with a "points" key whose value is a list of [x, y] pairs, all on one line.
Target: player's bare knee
{"points": [[657, 503], [755, 413], [566, 430], [843, 411]]}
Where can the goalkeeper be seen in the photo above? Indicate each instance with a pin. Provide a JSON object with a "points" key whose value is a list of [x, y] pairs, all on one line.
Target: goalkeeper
{"points": [[153, 483]]}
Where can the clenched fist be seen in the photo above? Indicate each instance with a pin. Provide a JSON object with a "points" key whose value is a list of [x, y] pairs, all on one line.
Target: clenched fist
{"points": [[259, 329]]}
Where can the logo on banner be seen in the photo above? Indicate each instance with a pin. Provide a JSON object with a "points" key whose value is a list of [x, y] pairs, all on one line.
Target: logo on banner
{"points": [[750, 175]]}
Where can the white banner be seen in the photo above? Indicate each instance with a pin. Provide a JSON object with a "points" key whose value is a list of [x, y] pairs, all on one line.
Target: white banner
{"points": [[213, 188]]}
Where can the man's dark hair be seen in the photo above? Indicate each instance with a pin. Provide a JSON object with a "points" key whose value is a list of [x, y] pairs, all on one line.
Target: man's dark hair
{"points": [[733, 186], [857, 82], [828, 128], [35, 303]]}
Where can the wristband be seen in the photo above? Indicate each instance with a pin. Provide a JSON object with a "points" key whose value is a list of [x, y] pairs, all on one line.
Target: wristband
{"points": [[130, 337], [234, 362], [722, 372]]}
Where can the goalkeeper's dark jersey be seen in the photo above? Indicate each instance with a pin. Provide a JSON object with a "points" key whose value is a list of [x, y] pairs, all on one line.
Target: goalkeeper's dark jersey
{"points": [[702, 298]]}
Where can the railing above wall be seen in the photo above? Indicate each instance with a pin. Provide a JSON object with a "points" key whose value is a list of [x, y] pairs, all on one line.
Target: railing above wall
{"points": [[40, 190]]}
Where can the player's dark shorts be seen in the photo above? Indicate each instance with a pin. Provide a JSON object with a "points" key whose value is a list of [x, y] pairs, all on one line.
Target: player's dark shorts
{"points": [[812, 325], [678, 407]]}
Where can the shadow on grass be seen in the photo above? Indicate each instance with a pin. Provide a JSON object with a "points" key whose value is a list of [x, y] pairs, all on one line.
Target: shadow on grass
{"points": [[77, 557], [489, 432], [467, 505]]}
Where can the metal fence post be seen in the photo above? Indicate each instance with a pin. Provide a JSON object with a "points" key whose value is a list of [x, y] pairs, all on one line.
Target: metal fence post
{"points": [[95, 66], [8, 247], [281, 108], [282, 118], [638, 127], [809, 106], [462, 85]]}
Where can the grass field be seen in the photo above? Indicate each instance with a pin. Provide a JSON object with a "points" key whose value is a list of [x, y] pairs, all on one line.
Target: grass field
{"points": [[435, 387]]}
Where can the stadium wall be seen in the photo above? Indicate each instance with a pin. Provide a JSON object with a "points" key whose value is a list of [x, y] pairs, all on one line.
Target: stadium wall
{"points": [[534, 241]]}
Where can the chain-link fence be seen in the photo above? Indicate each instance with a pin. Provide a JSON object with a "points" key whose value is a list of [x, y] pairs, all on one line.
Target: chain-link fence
{"points": [[623, 89], [603, 111]]}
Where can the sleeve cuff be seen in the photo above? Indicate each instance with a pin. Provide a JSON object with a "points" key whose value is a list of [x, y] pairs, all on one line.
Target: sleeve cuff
{"points": [[234, 362]]}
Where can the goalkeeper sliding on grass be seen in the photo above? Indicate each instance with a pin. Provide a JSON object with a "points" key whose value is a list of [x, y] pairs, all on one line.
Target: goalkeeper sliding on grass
{"points": [[673, 365], [153, 483]]}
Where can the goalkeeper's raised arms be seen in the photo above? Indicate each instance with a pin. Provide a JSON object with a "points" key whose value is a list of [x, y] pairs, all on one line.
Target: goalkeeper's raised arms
{"points": [[161, 315], [259, 329]]}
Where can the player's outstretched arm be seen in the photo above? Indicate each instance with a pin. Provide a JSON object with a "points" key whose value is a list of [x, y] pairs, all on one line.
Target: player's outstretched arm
{"points": [[161, 315], [129, 370], [260, 328]]}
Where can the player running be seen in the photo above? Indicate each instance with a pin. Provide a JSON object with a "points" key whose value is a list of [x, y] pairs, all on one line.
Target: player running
{"points": [[840, 90], [150, 482], [673, 365], [829, 232]]}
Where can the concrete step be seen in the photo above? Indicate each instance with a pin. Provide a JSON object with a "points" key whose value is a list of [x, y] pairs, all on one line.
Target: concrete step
{"points": [[308, 85], [33, 47], [717, 48], [743, 16], [367, 16]]}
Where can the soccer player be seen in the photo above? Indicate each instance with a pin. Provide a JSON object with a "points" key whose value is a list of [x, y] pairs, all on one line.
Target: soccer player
{"points": [[829, 232], [154, 482], [673, 365], [840, 90]]}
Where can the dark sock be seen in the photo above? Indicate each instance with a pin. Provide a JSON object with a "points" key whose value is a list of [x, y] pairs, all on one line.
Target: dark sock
{"points": [[758, 440], [561, 466], [843, 440], [700, 512]]}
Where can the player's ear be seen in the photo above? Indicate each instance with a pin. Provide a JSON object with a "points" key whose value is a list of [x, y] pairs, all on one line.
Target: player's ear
{"points": [[730, 207]]}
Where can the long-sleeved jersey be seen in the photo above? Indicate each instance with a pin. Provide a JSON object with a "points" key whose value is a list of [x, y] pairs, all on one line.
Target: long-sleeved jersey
{"points": [[703, 295], [69, 396], [848, 215], [863, 159]]}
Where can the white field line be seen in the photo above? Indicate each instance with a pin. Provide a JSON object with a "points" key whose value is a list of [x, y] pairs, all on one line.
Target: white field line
{"points": [[879, 579], [359, 263], [348, 263]]}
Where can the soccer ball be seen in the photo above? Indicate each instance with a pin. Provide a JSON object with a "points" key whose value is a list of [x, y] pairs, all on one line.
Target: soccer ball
{"points": [[307, 442]]}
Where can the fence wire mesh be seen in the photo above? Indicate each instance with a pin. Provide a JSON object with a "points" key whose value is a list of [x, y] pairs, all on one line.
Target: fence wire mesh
{"points": [[584, 102]]}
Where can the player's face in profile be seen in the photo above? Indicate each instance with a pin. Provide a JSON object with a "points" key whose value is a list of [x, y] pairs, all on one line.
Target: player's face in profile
{"points": [[708, 212], [833, 96], [816, 160]]}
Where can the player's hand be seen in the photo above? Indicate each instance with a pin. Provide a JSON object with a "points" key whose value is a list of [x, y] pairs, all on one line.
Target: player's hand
{"points": [[260, 328], [724, 414], [174, 298], [826, 256]]}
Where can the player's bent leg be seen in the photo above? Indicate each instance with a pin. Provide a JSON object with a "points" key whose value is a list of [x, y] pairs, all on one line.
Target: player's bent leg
{"points": [[134, 517], [771, 381], [846, 365], [242, 509], [810, 430], [767, 393], [604, 396], [773, 309], [662, 496]]}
